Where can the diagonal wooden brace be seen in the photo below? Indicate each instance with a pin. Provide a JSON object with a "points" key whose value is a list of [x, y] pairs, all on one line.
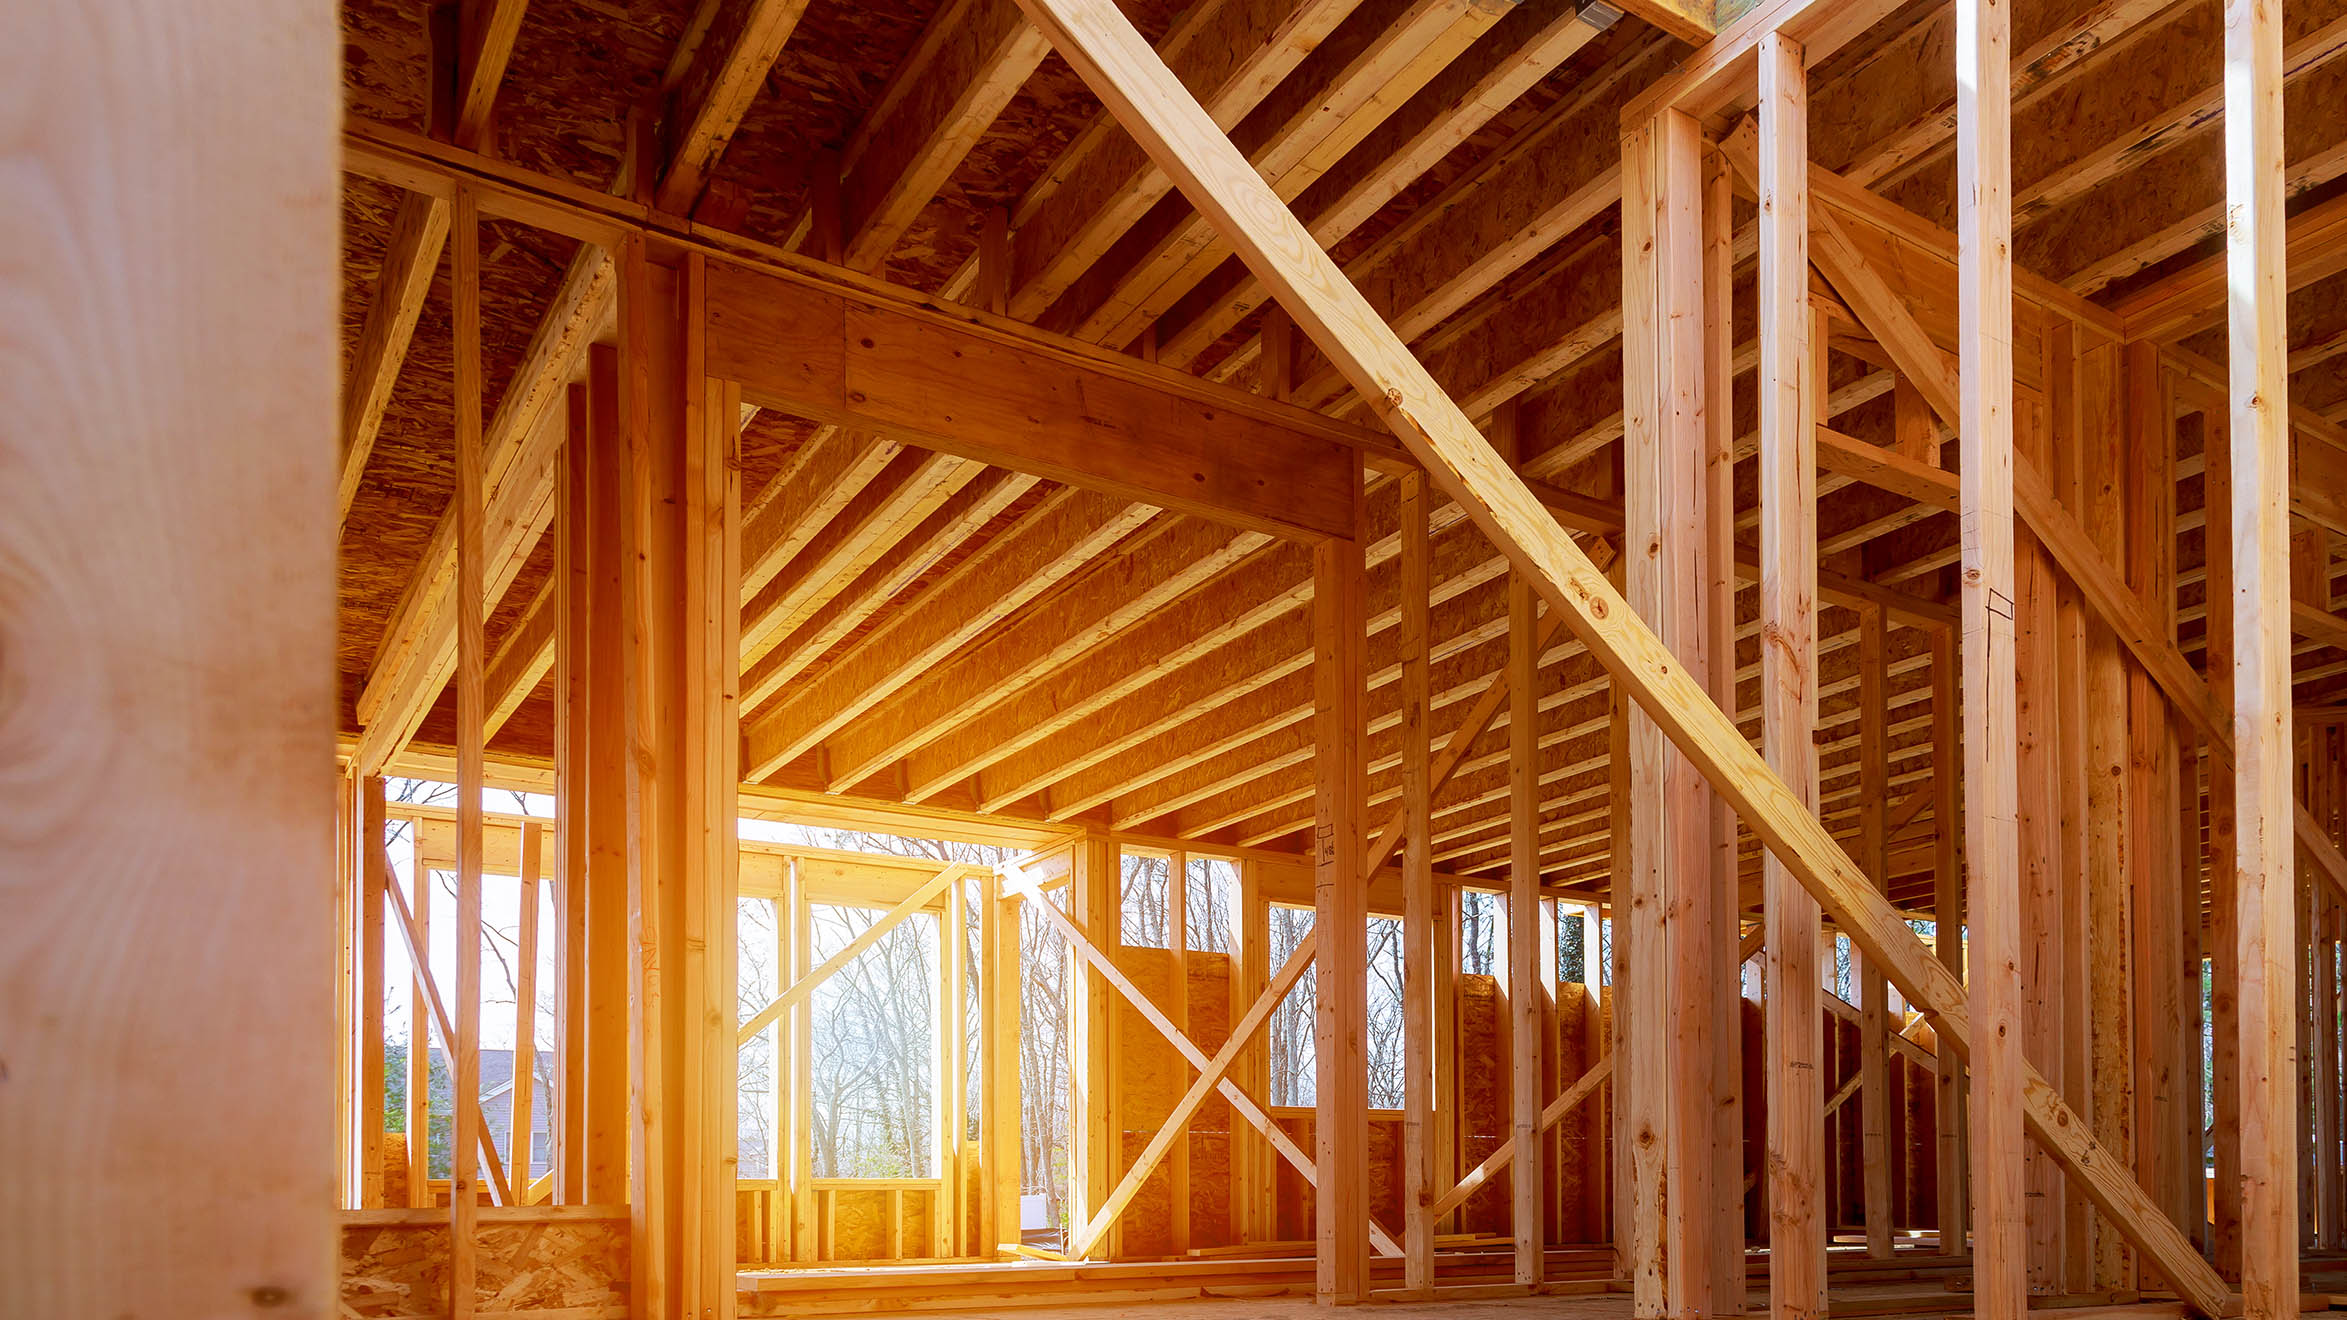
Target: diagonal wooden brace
{"points": [[1241, 1103], [1101, 44], [420, 964], [870, 935]]}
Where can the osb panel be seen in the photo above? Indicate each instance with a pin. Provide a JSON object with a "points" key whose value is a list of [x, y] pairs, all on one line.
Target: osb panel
{"points": [[1151, 1076], [578, 1266], [1483, 1097], [863, 1227], [1293, 1204]]}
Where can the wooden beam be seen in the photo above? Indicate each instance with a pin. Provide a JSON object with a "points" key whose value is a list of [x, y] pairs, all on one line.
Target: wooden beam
{"points": [[707, 104], [411, 257], [1344, 89], [1490, 77], [1792, 382], [487, 30], [1068, 531], [1103, 185], [1690, 21], [963, 384], [973, 57], [2264, 888], [1116, 64]]}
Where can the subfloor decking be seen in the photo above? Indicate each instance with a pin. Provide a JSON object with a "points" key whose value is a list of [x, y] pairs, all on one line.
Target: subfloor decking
{"points": [[1916, 1286]]}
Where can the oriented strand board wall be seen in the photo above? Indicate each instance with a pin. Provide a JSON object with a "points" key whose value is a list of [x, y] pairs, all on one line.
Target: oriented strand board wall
{"points": [[576, 1267], [1150, 1077]]}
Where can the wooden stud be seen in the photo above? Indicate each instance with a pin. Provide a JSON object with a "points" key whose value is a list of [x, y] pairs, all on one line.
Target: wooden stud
{"points": [[464, 282], [1528, 989], [1340, 1127], [1793, 359], [521, 1128], [1875, 1132], [1985, 429], [1948, 1092], [1418, 902], [1091, 1138], [1003, 1158], [2223, 867], [419, 1035], [2265, 930], [374, 877]]}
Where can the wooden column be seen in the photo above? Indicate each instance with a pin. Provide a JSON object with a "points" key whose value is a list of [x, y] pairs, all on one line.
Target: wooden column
{"points": [[2223, 890], [2164, 1132], [472, 655], [167, 525], [2266, 929], [1947, 910], [1874, 1087], [1003, 1158], [1340, 1125], [1418, 900], [1529, 990], [680, 527], [373, 876], [1675, 1089], [2109, 984], [1985, 293], [590, 788], [1252, 1170], [1092, 1134], [2037, 829], [1792, 361]]}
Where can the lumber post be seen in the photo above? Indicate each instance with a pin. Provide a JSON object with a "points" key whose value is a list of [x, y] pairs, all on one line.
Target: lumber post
{"points": [[798, 939], [1947, 910], [2265, 931], [373, 876], [1874, 1087], [679, 599], [472, 652], [1672, 1074], [2155, 870], [1418, 899], [1792, 368], [2037, 830], [2223, 878], [590, 789], [522, 1126], [1528, 990], [1252, 1194], [419, 1034], [1002, 1158], [1091, 1138], [2109, 983], [1340, 1123], [1985, 428]]}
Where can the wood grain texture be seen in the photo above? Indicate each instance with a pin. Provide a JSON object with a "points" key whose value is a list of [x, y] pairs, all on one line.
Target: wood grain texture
{"points": [[2264, 871], [166, 655]]}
